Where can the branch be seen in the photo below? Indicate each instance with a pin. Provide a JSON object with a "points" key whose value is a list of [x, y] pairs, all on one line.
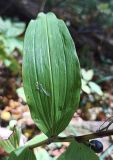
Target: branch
{"points": [[80, 139]]}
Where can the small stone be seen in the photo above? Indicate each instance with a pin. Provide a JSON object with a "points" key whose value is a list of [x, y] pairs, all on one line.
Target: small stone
{"points": [[5, 115]]}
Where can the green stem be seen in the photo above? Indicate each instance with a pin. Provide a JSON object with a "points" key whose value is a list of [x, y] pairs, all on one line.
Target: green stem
{"points": [[81, 139]]}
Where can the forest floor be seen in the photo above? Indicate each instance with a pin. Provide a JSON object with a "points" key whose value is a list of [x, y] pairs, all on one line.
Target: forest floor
{"points": [[93, 110]]}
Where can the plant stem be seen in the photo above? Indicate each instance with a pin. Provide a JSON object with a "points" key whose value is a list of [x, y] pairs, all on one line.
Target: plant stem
{"points": [[81, 139]]}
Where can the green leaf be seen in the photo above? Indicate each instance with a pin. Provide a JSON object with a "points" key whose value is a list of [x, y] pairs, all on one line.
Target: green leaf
{"points": [[4, 25], [7, 46], [11, 44], [12, 142], [7, 62], [78, 151], [51, 73], [87, 75], [85, 87], [95, 88], [11, 29], [104, 7], [14, 66], [22, 153], [42, 154], [21, 94], [36, 139], [15, 29]]}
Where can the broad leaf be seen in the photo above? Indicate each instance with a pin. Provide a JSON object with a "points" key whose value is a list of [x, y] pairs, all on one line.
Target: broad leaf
{"points": [[22, 153], [78, 151], [51, 74]]}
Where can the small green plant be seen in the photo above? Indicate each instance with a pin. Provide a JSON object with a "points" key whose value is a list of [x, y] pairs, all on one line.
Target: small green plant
{"points": [[52, 83], [11, 41], [89, 86]]}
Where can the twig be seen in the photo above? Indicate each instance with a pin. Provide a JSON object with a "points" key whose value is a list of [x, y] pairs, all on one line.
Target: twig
{"points": [[110, 120], [81, 139]]}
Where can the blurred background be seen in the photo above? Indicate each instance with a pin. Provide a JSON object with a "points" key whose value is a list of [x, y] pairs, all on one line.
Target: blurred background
{"points": [[90, 23]]}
